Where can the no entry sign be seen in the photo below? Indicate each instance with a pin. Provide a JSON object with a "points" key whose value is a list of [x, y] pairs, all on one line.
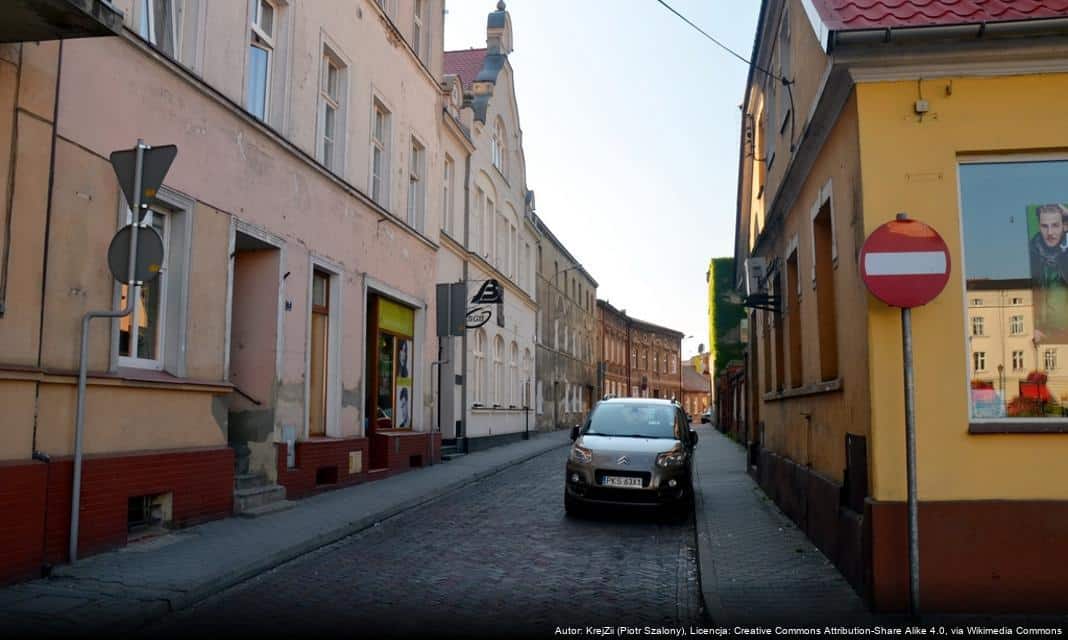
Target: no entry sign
{"points": [[904, 263]]}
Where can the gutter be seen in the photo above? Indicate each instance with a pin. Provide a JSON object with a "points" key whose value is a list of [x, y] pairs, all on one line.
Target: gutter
{"points": [[957, 32]]}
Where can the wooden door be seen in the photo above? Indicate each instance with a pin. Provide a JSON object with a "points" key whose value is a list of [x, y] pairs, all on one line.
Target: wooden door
{"points": [[320, 339]]}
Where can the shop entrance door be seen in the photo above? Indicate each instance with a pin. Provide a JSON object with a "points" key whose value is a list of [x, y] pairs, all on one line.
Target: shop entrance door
{"points": [[390, 370]]}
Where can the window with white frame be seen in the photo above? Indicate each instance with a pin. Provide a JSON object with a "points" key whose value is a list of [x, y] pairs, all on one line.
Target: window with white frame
{"points": [[674, 363], [977, 325], [498, 148], [331, 112], [500, 251], [498, 371], [380, 153], [513, 376], [416, 185], [525, 382], [446, 197], [261, 51], [160, 22], [420, 32], [1014, 219], [476, 220], [785, 69], [487, 230], [153, 335], [478, 383]]}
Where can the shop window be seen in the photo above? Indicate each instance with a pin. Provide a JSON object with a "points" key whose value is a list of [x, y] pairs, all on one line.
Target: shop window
{"points": [[1013, 215], [392, 365]]}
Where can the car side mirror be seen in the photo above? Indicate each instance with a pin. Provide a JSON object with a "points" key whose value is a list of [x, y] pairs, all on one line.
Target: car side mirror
{"points": [[574, 433], [693, 437]]}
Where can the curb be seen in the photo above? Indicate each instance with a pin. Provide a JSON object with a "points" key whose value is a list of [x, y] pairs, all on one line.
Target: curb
{"points": [[706, 567], [205, 590]]}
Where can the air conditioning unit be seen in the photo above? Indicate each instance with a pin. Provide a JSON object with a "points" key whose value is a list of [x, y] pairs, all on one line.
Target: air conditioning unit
{"points": [[756, 271]]}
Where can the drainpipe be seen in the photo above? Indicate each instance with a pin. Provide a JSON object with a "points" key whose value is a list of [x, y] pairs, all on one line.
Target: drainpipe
{"points": [[461, 432]]}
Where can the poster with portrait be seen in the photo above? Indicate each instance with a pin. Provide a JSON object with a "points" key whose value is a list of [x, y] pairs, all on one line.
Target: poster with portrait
{"points": [[404, 384], [1048, 254]]}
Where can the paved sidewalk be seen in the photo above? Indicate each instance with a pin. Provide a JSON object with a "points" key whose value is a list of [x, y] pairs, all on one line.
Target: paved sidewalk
{"points": [[125, 589], [756, 565]]}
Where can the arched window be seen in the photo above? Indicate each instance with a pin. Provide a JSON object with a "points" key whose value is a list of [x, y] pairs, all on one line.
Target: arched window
{"points": [[513, 376], [478, 383], [498, 370]]}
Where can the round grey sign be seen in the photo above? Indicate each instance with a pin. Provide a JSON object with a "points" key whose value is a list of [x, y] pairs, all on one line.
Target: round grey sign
{"points": [[149, 254]]}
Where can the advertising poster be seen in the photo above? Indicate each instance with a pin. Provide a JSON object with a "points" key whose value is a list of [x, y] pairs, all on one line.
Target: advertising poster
{"points": [[404, 384], [1048, 252]]}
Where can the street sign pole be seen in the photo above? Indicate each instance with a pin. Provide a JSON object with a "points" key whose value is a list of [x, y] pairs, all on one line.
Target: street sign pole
{"points": [[134, 187], [910, 462], [906, 264]]}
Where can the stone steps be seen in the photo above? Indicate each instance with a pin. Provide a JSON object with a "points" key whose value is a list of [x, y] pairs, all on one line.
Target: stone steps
{"points": [[267, 509]]}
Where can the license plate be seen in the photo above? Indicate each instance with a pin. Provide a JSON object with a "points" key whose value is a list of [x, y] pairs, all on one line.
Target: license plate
{"points": [[618, 481]]}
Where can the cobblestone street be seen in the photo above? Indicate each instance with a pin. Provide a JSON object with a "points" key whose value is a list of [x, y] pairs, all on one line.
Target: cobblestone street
{"points": [[497, 558]]}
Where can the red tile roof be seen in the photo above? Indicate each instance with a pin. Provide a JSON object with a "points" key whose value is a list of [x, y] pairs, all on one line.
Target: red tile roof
{"points": [[466, 64], [841, 15]]}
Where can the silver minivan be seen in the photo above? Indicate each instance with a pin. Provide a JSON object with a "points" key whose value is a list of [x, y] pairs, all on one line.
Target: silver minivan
{"points": [[631, 451]]}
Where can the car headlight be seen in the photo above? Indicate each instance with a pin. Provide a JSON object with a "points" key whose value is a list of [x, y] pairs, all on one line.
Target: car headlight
{"points": [[581, 455], [673, 458]]}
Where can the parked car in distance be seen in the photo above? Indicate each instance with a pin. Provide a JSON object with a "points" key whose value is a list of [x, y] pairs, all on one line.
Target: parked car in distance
{"points": [[706, 417], [631, 451]]}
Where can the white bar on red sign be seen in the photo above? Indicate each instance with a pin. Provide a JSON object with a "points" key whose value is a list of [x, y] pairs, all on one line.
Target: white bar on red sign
{"points": [[905, 263]]}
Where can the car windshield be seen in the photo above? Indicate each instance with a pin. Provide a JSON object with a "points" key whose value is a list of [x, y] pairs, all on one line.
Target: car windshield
{"points": [[633, 420]]}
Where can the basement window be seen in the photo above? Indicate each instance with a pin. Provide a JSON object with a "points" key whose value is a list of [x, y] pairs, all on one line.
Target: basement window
{"points": [[148, 515]]}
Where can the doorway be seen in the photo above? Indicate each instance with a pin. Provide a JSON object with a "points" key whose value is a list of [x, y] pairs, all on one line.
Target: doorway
{"points": [[390, 373]]}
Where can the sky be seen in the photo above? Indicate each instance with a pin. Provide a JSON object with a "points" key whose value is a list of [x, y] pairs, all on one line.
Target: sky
{"points": [[630, 130]]}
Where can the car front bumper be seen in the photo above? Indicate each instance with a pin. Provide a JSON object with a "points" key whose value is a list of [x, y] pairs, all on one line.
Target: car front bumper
{"points": [[659, 486]]}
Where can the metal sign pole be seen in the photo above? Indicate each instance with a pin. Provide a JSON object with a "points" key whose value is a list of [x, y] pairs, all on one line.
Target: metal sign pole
{"points": [[910, 461], [83, 364]]}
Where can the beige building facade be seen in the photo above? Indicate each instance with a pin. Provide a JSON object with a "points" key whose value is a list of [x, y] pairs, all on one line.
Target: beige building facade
{"points": [[289, 340]]}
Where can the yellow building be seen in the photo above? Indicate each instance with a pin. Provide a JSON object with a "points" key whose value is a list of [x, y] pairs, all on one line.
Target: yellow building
{"points": [[852, 115]]}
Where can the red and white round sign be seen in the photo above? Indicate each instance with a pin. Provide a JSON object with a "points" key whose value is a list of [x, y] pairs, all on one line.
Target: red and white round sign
{"points": [[904, 263]]}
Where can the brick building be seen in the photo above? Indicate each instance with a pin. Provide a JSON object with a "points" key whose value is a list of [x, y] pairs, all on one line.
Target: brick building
{"points": [[639, 358]]}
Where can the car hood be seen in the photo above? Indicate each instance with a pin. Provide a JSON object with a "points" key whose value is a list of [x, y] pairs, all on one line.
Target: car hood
{"points": [[626, 445]]}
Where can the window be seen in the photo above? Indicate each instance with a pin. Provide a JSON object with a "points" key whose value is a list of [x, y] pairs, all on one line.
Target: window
{"points": [[977, 302], [261, 49], [498, 371], [823, 254], [656, 362], [476, 220], [380, 150], [479, 381], [153, 336], [780, 349], [674, 363], [498, 148], [487, 237], [331, 117], [525, 382], [784, 68], [977, 326], [446, 197], [500, 251], [1013, 215], [159, 24], [513, 376], [634, 392], [793, 309], [1016, 301], [420, 36], [416, 185], [645, 359], [141, 332], [771, 128]]}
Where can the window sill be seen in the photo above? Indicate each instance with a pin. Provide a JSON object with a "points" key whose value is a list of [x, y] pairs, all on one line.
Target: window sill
{"points": [[819, 388], [996, 427]]}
